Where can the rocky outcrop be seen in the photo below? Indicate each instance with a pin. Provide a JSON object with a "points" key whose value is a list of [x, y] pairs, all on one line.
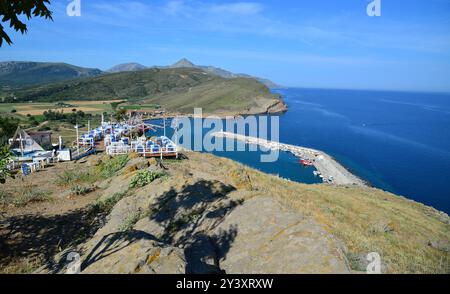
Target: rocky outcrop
{"points": [[194, 223], [278, 107], [199, 223], [274, 240], [133, 253]]}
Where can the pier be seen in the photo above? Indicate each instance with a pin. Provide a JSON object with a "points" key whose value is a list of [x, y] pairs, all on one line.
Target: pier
{"points": [[328, 168]]}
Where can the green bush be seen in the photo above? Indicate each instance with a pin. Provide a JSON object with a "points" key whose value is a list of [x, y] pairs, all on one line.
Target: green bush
{"points": [[72, 177], [109, 168], [145, 177], [5, 155], [80, 190], [106, 205]]}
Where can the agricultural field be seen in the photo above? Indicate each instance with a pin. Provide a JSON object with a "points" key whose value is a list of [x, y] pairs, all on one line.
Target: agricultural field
{"points": [[141, 107], [38, 108], [30, 117]]}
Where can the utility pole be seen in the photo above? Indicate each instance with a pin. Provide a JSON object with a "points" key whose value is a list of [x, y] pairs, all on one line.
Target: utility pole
{"points": [[78, 140], [164, 120], [21, 143], [176, 134]]}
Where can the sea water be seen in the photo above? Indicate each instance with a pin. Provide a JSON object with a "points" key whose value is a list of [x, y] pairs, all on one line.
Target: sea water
{"points": [[396, 141]]}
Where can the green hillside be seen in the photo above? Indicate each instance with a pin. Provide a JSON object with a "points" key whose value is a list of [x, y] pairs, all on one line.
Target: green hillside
{"points": [[239, 95], [15, 74], [177, 89]]}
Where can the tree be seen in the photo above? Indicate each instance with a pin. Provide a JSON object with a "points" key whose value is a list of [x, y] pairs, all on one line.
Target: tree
{"points": [[5, 155], [8, 126], [11, 10], [120, 115]]}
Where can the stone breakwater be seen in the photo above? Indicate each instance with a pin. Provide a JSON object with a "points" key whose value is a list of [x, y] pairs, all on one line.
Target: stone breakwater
{"points": [[332, 171]]}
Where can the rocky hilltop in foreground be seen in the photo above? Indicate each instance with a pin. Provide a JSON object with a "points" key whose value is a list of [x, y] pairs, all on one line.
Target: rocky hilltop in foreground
{"points": [[206, 214]]}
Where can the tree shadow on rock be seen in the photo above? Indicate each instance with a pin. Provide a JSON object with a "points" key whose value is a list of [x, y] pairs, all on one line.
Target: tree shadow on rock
{"points": [[112, 243], [42, 237], [184, 215]]}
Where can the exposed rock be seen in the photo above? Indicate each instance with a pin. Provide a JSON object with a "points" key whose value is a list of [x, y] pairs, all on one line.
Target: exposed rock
{"points": [[270, 239], [134, 165], [152, 162], [277, 107], [241, 179], [133, 253], [440, 245], [384, 226]]}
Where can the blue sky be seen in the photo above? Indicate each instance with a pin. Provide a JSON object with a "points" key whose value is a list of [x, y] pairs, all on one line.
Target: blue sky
{"points": [[303, 43]]}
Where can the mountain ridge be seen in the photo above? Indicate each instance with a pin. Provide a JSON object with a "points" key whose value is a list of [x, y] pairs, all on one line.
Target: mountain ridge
{"points": [[15, 74], [132, 66], [184, 62]]}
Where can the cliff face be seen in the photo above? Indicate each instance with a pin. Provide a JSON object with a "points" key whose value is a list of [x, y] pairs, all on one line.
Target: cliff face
{"points": [[279, 107], [212, 215]]}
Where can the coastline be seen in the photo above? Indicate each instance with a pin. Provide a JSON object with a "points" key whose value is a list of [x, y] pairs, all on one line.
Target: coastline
{"points": [[331, 170], [278, 107]]}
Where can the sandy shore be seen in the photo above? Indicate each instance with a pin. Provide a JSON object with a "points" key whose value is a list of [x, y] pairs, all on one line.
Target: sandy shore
{"points": [[332, 171]]}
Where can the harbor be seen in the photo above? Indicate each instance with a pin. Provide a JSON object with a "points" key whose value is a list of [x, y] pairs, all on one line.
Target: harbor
{"points": [[327, 168]]}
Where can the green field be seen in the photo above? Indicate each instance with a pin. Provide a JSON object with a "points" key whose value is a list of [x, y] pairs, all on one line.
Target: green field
{"points": [[38, 108], [141, 107]]}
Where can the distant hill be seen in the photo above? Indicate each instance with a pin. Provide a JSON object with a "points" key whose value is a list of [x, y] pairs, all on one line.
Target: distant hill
{"points": [[127, 67], [14, 74], [185, 63], [221, 72], [177, 89]]}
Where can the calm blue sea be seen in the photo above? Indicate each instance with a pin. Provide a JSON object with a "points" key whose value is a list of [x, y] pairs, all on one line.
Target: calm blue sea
{"points": [[399, 142]]}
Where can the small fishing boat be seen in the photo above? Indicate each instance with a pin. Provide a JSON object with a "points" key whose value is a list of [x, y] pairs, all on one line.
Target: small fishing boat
{"points": [[306, 162]]}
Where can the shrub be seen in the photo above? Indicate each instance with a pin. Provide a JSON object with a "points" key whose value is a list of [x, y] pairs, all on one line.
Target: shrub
{"points": [[31, 197], [5, 198], [28, 194], [109, 168], [5, 155], [106, 205], [72, 177], [143, 178], [79, 190], [131, 220]]}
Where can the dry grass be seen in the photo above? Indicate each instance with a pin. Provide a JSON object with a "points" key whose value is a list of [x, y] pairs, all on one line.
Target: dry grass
{"points": [[370, 220], [364, 219], [24, 195]]}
